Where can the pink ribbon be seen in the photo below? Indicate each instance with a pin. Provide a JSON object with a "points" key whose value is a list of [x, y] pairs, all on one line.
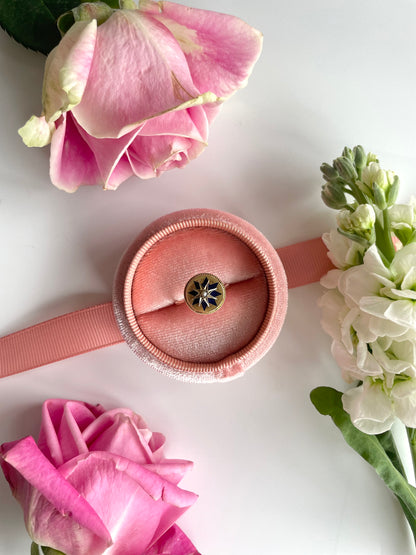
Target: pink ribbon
{"points": [[96, 327]]}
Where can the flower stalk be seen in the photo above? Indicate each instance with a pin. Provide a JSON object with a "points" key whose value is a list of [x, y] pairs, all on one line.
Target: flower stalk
{"points": [[411, 435]]}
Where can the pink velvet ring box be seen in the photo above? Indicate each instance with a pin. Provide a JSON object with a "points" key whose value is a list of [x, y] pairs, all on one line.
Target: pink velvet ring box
{"points": [[153, 309], [154, 318]]}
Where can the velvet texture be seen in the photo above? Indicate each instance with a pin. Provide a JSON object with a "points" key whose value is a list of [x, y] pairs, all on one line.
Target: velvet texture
{"points": [[149, 303]]}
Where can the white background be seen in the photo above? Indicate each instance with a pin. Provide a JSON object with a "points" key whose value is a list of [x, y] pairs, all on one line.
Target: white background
{"points": [[272, 474]]}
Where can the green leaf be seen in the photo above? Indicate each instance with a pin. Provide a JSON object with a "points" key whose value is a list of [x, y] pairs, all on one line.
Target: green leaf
{"points": [[371, 448], [33, 22], [34, 549]]}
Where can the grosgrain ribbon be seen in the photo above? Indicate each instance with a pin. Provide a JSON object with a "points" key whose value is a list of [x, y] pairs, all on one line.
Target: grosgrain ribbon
{"points": [[92, 328]]}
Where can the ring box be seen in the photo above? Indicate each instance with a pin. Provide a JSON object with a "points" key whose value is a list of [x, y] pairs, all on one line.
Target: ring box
{"points": [[157, 323]]}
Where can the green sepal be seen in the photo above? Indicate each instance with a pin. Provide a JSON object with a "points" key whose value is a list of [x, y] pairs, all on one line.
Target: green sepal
{"points": [[44, 550], [51, 551], [65, 22], [379, 197], [404, 235], [379, 451], [412, 238], [115, 4], [87, 11], [32, 23], [357, 238], [393, 191]]}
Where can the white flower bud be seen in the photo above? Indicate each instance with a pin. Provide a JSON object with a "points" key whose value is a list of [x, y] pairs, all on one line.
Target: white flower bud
{"points": [[363, 217], [344, 220], [374, 174], [369, 174]]}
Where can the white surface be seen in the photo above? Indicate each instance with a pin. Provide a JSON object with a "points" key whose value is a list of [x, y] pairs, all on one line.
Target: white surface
{"points": [[273, 476]]}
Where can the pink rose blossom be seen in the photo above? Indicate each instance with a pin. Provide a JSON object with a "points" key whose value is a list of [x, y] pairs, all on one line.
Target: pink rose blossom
{"points": [[136, 94], [97, 482]]}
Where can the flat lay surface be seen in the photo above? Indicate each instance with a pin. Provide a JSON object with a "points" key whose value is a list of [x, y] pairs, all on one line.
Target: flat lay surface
{"points": [[272, 475]]}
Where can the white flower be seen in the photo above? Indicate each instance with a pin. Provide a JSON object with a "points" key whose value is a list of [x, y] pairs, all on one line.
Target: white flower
{"points": [[342, 252], [395, 356], [369, 407], [386, 293], [403, 216], [364, 345], [373, 408]]}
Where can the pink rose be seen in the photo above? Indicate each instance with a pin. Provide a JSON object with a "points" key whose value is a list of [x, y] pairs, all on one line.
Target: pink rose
{"points": [[98, 482], [135, 95]]}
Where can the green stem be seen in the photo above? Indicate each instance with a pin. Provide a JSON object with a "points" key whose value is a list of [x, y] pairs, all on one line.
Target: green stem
{"points": [[384, 240], [411, 435]]}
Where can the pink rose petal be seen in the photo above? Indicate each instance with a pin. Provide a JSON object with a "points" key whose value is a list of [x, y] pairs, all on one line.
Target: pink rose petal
{"points": [[121, 171], [72, 162], [53, 508], [53, 412], [139, 55], [75, 417], [137, 505], [170, 469], [173, 542], [151, 156], [67, 69], [220, 49], [121, 438], [113, 165], [191, 123]]}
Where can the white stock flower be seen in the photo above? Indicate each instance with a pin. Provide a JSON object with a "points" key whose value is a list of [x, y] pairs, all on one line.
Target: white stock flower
{"points": [[363, 344], [369, 407], [403, 216], [342, 252], [373, 408], [369, 311], [386, 293], [351, 331]]}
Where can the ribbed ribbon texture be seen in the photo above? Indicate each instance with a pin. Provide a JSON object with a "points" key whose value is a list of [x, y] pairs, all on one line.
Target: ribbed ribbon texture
{"points": [[93, 328], [62, 337]]}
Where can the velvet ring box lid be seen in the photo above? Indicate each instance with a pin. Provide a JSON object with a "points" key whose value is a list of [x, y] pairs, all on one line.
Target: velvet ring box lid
{"points": [[160, 327]]}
